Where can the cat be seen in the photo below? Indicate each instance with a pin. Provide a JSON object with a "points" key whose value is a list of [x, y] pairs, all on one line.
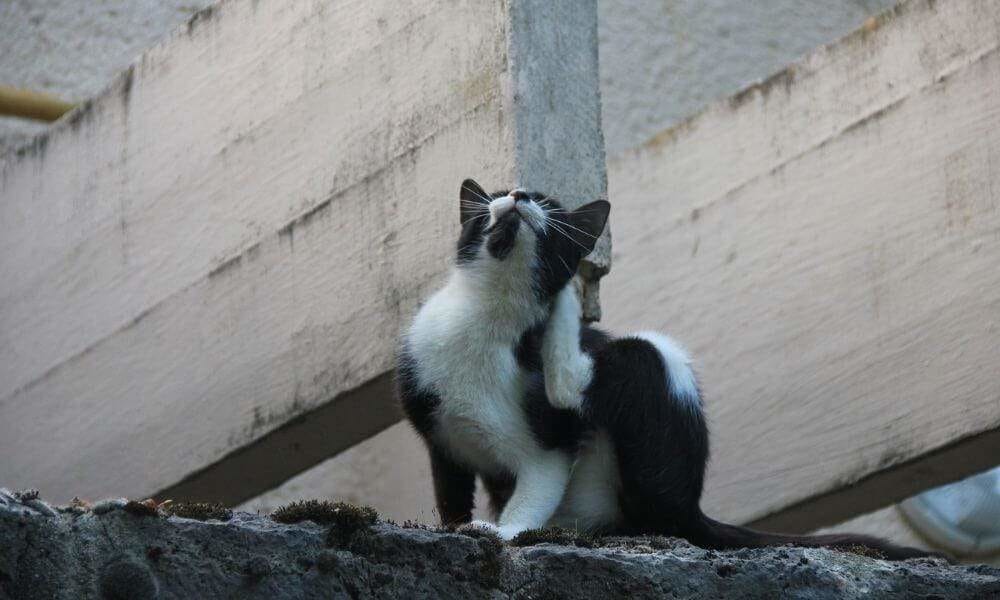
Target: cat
{"points": [[565, 425]]}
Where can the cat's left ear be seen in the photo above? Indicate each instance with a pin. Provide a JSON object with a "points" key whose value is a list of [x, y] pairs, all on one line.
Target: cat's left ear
{"points": [[588, 222], [472, 200]]}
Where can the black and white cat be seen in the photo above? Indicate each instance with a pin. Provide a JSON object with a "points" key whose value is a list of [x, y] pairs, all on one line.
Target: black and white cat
{"points": [[564, 425]]}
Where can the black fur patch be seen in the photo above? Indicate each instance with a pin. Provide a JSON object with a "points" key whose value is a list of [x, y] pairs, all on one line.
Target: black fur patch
{"points": [[454, 487], [661, 442], [503, 235], [568, 239], [551, 427], [418, 405], [470, 240], [499, 488]]}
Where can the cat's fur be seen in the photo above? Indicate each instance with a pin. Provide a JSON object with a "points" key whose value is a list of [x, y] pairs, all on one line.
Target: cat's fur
{"points": [[563, 424]]}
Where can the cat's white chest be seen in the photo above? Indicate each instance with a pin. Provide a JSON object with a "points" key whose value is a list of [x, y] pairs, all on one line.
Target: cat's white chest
{"points": [[480, 418]]}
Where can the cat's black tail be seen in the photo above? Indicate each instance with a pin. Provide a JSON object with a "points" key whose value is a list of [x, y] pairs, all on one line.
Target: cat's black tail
{"points": [[643, 394], [709, 533]]}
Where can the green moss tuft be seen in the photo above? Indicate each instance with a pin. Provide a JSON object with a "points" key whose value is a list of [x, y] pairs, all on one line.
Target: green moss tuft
{"points": [[323, 512], [552, 535], [202, 511]]}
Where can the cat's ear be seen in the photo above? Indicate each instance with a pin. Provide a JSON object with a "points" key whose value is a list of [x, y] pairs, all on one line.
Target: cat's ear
{"points": [[588, 222], [472, 200]]}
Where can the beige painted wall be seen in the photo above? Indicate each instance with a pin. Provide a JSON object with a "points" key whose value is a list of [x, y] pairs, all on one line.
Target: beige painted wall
{"points": [[833, 289], [231, 235]]}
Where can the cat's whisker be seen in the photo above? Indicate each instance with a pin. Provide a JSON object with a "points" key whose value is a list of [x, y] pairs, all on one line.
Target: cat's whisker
{"points": [[575, 228], [566, 235], [563, 211], [476, 193], [568, 270], [479, 208]]}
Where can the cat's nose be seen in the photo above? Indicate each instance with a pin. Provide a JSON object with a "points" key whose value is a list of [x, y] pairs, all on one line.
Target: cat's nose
{"points": [[518, 195]]}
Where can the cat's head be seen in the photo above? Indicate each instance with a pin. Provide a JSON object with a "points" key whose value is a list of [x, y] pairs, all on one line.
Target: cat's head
{"points": [[526, 233]]}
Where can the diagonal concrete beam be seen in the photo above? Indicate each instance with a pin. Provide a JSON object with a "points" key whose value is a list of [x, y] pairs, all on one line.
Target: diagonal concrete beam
{"points": [[230, 237], [826, 243]]}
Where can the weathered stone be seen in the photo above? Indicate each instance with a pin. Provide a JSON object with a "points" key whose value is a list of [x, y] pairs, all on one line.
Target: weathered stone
{"points": [[120, 554]]}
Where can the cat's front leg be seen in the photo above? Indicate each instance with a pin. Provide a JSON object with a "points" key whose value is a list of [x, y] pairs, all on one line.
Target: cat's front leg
{"points": [[541, 483], [454, 488], [567, 368]]}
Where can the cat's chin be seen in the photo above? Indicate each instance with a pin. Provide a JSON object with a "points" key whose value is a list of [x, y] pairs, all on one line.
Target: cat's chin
{"points": [[503, 235]]}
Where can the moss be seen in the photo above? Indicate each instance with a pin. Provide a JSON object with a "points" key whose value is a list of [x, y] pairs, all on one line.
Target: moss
{"points": [[408, 524], [864, 551], [201, 511], [141, 509], [323, 512], [26, 495], [349, 524], [552, 535]]}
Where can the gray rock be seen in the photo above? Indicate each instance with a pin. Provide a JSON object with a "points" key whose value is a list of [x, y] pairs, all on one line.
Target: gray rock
{"points": [[122, 554]]}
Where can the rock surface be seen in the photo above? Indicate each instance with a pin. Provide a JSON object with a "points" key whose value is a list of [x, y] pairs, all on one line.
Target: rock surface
{"points": [[114, 550]]}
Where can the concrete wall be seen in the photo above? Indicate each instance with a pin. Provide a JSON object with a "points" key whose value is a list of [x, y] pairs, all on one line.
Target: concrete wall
{"points": [[825, 244], [664, 60], [762, 344], [660, 61], [74, 49], [219, 251]]}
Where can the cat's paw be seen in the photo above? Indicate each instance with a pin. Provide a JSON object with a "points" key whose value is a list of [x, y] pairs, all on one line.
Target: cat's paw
{"points": [[509, 532], [564, 384], [478, 526]]}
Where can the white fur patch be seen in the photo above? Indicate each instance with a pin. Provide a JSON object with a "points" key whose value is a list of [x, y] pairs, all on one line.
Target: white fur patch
{"points": [[533, 214], [568, 369], [499, 207], [529, 211], [683, 384], [538, 492], [590, 504], [463, 341]]}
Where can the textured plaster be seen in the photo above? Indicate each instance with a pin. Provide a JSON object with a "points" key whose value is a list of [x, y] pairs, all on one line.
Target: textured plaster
{"points": [[663, 60], [73, 49]]}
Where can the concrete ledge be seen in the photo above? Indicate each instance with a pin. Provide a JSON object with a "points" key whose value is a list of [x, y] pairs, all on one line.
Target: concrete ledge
{"points": [[138, 553], [825, 243]]}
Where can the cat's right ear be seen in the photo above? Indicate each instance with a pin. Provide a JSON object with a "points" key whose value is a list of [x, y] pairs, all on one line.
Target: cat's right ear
{"points": [[473, 201]]}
